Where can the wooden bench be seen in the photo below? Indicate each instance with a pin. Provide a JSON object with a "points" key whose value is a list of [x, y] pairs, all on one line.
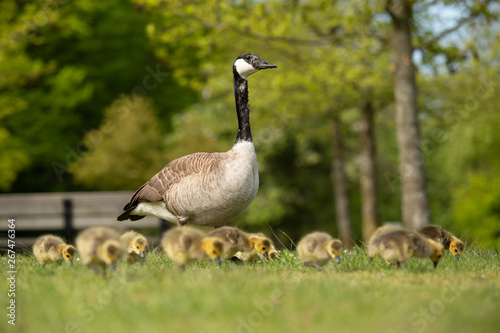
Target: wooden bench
{"points": [[67, 212]]}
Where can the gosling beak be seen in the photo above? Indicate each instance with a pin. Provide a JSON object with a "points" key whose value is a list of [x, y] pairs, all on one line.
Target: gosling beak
{"points": [[457, 256], [218, 261], [71, 262], [337, 259], [113, 266], [435, 263], [141, 254], [266, 255], [265, 65]]}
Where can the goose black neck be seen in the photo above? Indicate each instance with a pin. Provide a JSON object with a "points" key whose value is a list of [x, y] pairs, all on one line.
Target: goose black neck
{"points": [[242, 108]]}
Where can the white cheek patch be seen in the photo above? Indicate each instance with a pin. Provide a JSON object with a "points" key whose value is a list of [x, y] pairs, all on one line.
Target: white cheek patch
{"points": [[244, 68]]}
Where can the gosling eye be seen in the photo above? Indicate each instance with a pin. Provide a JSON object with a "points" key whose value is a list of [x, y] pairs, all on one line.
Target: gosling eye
{"points": [[456, 250], [137, 248], [214, 252]]}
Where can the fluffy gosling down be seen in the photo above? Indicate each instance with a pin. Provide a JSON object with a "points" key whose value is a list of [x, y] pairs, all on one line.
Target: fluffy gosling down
{"points": [[186, 245], [99, 247], [136, 245], [450, 242], [398, 246], [317, 248], [262, 248], [50, 248], [234, 240]]}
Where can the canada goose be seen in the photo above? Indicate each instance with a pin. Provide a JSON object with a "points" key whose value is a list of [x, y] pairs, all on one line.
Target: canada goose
{"points": [[234, 240], [317, 248], [50, 248], [99, 247], [209, 189], [136, 245], [186, 245]]}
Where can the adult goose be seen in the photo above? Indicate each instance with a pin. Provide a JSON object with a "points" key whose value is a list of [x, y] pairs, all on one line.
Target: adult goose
{"points": [[209, 189]]}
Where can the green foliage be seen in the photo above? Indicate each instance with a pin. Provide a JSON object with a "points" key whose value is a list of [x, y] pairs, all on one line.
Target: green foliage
{"points": [[61, 64], [476, 209], [124, 150], [280, 295]]}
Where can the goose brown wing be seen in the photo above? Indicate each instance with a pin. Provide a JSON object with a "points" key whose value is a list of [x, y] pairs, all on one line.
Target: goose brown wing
{"points": [[174, 172]]}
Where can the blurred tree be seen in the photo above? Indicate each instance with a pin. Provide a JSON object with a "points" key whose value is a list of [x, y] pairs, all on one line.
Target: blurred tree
{"points": [[61, 64], [124, 150]]}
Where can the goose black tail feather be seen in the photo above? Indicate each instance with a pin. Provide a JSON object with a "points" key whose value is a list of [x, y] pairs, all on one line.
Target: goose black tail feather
{"points": [[126, 214]]}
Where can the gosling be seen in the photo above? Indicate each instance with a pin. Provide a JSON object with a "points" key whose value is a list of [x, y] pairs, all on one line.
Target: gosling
{"points": [[455, 245], [317, 248], [450, 242], [50, 248], [99, 247], [234, 240], [186, 245], [427, 248], [136, 245], [435, 232], [398, 246], [262, 247], [383, 230]]}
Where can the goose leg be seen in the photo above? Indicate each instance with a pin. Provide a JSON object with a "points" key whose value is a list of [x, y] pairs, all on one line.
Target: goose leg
{"points": [[182, 220]]}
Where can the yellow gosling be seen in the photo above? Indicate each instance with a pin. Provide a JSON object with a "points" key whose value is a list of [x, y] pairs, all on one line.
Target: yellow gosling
{"points": [[234, 240], [427, 248], [317, 248], [186, 245], [99, 247], [456, 246], [50, 248], [395, 247], [263, 248], [136, 245], [440, 235], [436, 233]]}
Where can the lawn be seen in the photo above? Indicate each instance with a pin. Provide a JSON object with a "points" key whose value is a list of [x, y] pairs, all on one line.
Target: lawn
{"points": [[278, 296]]}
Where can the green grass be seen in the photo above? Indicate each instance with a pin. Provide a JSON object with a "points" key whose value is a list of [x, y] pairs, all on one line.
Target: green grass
{"points": [[279, 296]]}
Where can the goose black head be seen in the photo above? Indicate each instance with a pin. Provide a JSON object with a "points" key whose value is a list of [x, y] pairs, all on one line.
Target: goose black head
{"points": [[249, 63]]}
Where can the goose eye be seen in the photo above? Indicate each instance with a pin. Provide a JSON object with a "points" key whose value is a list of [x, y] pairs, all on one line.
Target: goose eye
{"points": [[456, 250], [137, 248], [213, 252]]}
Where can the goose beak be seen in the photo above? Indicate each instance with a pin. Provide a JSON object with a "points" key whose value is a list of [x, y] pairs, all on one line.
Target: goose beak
{"points": [[337, 259], [113, 266], [218, 261], [457, 256], [71, 262], [141, 254], [435, 263], [265, 65], [266, 255]]}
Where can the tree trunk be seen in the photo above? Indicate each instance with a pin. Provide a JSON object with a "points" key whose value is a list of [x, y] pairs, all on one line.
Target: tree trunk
{"points": [[415, 204], [369, 211], [340, 186]]}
